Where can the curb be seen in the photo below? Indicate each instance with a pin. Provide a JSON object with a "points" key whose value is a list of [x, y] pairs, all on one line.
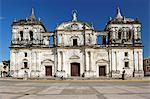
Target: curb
{"points": [[77, 81]]}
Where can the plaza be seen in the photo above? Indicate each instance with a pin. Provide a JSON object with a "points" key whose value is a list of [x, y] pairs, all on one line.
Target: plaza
{"points": [[74, 89]]}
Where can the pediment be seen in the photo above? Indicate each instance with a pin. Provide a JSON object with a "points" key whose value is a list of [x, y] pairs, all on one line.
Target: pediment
{"points": [[74, 57], [47, 61], [25, 60], [126, 59], [73, 26], [101, 61]]}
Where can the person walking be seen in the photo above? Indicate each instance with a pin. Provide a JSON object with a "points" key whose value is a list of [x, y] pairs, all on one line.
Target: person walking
{"points": [[123, 74]]}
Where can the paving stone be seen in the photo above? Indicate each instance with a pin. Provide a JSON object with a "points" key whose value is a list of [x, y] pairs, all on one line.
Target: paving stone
{"points": [[109, 90], [52, 90], [132, 89], [8, 96], [60, 97], [30, 90], [147, 96], [116, 96], [13, 89]]}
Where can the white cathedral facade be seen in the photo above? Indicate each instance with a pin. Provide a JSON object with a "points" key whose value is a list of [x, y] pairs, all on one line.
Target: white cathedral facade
{"points": [[73, 49]]}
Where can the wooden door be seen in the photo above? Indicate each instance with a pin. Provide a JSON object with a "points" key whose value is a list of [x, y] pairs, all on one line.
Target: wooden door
{"points": [[102, 71], [48, 70], [75, 69]]}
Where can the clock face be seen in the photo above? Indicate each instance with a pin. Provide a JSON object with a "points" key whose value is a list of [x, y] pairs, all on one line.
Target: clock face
{"points": [[74, 27]]}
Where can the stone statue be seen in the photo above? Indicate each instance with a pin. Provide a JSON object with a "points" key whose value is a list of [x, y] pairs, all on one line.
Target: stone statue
{"points": [[74, 15]]}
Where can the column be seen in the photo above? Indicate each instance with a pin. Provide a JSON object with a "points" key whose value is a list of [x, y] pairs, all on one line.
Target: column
{"points": [[59, 40], [56, 60], [35, 61], [38, 60], [113, 33], [14, 36], [89, 54], [138, 60], [125, 33], [62, 43], [84, 57], [92, 61], [16, 62], [61, 55], [133, 61], [116, 60], [138, 32], [141, 63], [113, 61], [116, 33], [86, 61]]}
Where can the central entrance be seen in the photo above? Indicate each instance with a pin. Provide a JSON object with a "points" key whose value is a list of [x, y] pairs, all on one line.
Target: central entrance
{"points": [[102, 70], [48, 70], [75, 69]]}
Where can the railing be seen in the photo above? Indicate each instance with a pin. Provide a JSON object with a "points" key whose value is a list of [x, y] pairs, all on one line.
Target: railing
{"points": [[29, 44], [26, 42]]}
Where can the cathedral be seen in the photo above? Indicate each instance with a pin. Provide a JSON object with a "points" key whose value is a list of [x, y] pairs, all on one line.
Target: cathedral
{"points": [[76, 49]]}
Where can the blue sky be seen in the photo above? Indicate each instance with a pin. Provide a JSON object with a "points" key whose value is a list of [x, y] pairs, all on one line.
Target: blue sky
{"points": [[53, 12]]}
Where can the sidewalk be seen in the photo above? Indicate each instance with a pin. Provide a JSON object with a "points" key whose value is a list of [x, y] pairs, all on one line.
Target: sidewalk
{"points": [[145, 79]]}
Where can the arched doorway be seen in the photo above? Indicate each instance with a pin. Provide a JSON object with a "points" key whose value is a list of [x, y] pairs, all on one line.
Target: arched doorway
{"points": [[75, 69]]}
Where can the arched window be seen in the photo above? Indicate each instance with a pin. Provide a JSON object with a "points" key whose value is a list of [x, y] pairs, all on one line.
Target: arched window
{"points": [[104, 40], [21, 35], [119, 34], [130, 34], [25, 54], [25, 64], [31, 35]]}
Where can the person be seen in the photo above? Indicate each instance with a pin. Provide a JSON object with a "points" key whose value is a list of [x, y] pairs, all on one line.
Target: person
{"points": [[123, 74], [83, 75], [61, 77]]}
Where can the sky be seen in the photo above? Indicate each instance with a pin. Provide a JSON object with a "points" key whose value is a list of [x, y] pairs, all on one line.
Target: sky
{"points": [[54, 12]]}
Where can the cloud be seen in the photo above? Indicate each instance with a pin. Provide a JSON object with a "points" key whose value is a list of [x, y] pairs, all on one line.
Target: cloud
{"points": [[1, 18]]}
